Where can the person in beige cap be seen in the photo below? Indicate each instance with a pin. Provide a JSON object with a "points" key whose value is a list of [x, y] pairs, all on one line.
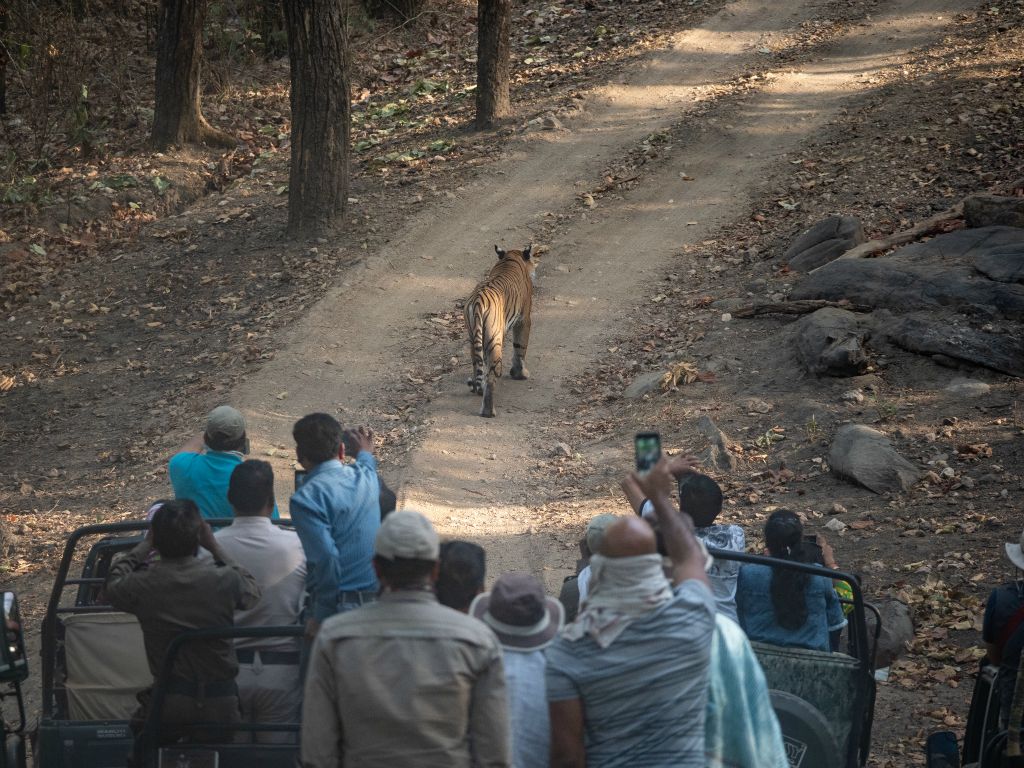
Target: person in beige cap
{"points": [[405, 681], [1002, 629], [201, 469], [574, 588]]}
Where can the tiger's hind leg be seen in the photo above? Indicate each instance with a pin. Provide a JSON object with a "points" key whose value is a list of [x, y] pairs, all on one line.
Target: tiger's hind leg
{"points": [[520, 340], [494, 369]]}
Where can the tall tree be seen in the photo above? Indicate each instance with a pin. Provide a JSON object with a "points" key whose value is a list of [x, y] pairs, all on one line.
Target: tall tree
{"points": [[318, 51], [3, 56], [492, 62], [177, 117]]}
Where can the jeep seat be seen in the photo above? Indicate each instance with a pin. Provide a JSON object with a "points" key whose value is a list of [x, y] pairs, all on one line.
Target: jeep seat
{"points": [[826, 681], [98, 689]]}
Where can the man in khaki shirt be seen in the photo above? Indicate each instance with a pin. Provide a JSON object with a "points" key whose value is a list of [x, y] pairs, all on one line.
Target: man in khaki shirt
{"points": [[176, 593], [405, 681]]}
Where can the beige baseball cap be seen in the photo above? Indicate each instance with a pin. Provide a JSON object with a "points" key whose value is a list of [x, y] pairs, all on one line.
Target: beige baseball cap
{"points": [[595, 531], [409, 535], [225, 422]]}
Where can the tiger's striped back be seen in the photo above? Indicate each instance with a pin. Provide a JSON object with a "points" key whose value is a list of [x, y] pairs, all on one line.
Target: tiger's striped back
{"points": [[502, 302]]}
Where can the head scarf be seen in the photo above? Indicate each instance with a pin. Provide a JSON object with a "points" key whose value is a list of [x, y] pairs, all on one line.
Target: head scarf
{"points": [[622, 590]]}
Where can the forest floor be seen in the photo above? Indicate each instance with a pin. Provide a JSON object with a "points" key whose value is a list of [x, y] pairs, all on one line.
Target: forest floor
{"points": [[663, 156]]}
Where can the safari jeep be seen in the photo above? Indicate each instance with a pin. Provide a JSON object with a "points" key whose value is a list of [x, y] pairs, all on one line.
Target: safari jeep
{"points": [[94, 664]]}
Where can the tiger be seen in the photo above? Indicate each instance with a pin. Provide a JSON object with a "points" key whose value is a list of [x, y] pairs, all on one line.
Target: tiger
{"points": [[500, 303]]}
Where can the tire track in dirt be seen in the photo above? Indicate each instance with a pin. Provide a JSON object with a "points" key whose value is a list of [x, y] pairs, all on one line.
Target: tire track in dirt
{"points": [[474, 476]]}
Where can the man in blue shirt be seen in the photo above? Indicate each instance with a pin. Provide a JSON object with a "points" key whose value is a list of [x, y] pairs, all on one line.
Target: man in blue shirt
{"points": [[336, 512], [201, 469]]}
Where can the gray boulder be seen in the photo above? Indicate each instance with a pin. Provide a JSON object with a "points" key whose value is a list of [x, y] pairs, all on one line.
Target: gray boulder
{"points": [[830, 342], [717, 455], [644, 384], [929, 336], [1003, 263], [865, 456], [967, 388], [991, 210], [934, 274], [827, 240], [897, 630]]}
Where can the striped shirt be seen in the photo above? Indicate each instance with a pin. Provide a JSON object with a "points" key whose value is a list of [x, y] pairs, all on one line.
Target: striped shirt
{"points": [[644, 695]]}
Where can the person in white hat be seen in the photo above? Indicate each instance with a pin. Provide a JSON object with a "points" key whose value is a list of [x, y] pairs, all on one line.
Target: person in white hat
{"points": [[201, 469], [405, 681], [1002, 628]]}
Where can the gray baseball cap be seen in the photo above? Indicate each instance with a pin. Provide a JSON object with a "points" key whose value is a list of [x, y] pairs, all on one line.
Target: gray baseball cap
{"points": [[408, 535], [226, 423]]}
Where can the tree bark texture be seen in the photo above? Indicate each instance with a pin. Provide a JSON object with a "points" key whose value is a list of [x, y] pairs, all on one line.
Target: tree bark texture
{"points": [[318, 51], [3, 56], [177, 118], [492, 62]]}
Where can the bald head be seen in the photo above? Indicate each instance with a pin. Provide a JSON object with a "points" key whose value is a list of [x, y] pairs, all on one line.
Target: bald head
{"points": [[628, 537]]}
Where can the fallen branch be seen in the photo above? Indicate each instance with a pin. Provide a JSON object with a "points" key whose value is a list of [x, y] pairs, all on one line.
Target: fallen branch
{"points": [[802, 307], [920, 229]]}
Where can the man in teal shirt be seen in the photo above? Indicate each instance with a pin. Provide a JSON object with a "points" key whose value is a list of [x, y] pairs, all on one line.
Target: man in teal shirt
{"points": [[202, 469]]}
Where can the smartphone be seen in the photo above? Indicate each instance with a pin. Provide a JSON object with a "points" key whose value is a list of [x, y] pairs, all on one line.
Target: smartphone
{"points": [[647, 446], [300, 477]]}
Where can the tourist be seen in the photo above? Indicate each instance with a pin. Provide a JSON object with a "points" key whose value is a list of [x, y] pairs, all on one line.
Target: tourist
{"points": [[701, 498], [269, 684], [201, 468], [463, 568], [405, 681], [336, 512], [783, 606], [526, 623], [627, 681], [176, 593]]}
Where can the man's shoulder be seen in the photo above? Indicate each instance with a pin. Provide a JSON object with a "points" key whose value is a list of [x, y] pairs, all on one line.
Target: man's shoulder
{"points": [[414, 619], [724, 536]]}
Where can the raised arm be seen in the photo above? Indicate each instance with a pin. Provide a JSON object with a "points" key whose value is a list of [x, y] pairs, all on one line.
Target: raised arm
{"points": [[676, 528]]}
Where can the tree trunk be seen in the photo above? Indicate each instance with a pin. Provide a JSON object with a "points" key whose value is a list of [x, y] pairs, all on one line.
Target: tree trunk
{"points": [[177, 118], [318, 51], [492, 62], [3, 56]]}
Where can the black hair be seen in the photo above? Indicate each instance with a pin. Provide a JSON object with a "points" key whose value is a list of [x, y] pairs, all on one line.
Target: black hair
{"points": [[251, 487], [784, 536], [317, 437], [175, 528], [701, 498], [222, 443], [463, 567], [404, 572]]}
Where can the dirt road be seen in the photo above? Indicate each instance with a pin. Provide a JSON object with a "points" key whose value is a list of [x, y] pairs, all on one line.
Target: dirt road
{"points": [[472, 475]]}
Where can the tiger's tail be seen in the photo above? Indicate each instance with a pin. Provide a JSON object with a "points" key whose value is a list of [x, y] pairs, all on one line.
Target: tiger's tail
{"points": [[475, 326]]}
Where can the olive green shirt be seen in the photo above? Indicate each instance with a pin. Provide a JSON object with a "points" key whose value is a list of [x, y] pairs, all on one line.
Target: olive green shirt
{"points": [[405, 682], [170, 596]]}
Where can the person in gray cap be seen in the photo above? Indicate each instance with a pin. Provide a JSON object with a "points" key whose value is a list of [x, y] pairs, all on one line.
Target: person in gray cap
{"points": [[201, 469], [1002, 628], [574, 588], [526, 622], [405, 681]]}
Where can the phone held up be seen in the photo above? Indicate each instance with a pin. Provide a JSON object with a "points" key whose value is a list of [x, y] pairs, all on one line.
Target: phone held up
{"points": [[647, 446]]}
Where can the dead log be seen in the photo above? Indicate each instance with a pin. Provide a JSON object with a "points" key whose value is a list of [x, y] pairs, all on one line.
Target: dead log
{"points": [[802, 307], [922, 228]]}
